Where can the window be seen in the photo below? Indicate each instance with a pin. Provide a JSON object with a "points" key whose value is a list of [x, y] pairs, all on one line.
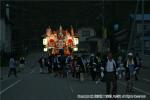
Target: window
{"points": [[85, 33]]}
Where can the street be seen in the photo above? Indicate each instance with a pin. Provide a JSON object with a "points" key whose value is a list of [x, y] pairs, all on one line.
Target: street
{"points": [[31, 85], [75, 50]]}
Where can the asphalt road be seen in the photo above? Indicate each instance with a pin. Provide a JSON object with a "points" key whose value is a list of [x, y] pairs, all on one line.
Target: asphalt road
{"points": [[31, 85]]}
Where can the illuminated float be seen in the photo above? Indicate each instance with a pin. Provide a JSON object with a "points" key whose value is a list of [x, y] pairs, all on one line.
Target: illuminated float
{"points": [[61, 40]]}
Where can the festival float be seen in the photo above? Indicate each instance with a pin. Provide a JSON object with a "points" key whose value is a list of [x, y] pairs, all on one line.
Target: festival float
{"points": [[60, 41]]}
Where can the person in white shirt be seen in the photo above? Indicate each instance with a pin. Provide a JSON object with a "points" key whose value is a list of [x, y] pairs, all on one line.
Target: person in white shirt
{"points": [[111, 78], [12, 67]]}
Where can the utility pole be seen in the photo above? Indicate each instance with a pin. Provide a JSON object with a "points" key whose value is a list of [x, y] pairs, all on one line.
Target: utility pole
{"points": [[142, 37], [103, 25], [132, 34]]}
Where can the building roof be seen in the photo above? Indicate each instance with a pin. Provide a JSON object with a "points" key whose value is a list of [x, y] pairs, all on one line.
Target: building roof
{"points": [[93, 38]]}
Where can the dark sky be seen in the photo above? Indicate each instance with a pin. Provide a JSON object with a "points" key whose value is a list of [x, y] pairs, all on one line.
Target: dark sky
{"points": [[29, 19]]}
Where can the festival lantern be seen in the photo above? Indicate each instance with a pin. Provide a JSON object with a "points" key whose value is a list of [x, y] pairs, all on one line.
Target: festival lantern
{"points": [[75, 49], [45, 49], [54, 41], [45, 41], [76, 40]]}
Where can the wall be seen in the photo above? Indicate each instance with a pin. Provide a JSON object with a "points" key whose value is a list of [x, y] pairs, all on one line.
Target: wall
{"points": [[86, 33], [5, 36]]}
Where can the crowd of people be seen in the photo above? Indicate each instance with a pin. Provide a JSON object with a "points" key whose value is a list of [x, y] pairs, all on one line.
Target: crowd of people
{"points": [[107, 69], [16, 66]]}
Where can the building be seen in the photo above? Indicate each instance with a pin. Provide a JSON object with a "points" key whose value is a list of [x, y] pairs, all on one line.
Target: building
{"points": [[138, 35], [133, 34], [5, 29], [89, 41]]}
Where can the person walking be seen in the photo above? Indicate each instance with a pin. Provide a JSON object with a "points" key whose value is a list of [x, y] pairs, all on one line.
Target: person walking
{"points": [[111, 77], [138, 65], [120, 69], [93, 66], [49, 65], [130, 65], [42, 64], [56, 65], [81, 64], [62, 63], [12, 67], [21, 64]]}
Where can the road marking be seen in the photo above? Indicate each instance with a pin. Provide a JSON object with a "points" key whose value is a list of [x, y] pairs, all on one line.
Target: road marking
{"points": [[140, 90], [69, 85], [146, 79], [71, 88], [9, 87]]}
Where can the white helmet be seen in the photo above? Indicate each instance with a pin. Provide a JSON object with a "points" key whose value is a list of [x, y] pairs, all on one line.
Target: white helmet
{"points": [[130, 54]]}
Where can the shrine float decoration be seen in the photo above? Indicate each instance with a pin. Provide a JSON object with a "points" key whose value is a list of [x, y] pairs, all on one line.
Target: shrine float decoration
{"points": [[61, 40]]}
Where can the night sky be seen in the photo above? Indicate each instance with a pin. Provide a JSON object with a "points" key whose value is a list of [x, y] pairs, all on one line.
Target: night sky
{"points": [[30, 19]]}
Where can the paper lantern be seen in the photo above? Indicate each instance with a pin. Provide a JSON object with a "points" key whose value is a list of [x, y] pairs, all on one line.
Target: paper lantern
{"points": [[45, 41]]}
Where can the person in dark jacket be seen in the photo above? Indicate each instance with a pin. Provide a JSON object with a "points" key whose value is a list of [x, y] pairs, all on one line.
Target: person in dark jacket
{"points": [[62, 63], [50, 63], [138, 64], [42, 64], [80, 63], [93, 67], [21, 64], [56, 65]]}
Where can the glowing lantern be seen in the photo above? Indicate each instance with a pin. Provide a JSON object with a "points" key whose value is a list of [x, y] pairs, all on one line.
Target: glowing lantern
{"points": [[69, 40], [75, 49], [56, 40], [45, 41], [45, 49], [75, 40], [51, 40]]}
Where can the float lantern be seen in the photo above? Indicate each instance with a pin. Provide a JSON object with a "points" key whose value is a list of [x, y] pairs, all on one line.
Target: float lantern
{"points": [[76, 40], [45, 49], [75, 49], [45, 41]]}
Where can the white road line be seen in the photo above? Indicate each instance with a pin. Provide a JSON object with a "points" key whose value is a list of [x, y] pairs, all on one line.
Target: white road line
{"points": [[70, 85], [140, 90], [71, 89], [146, 79], [9, 87]]}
